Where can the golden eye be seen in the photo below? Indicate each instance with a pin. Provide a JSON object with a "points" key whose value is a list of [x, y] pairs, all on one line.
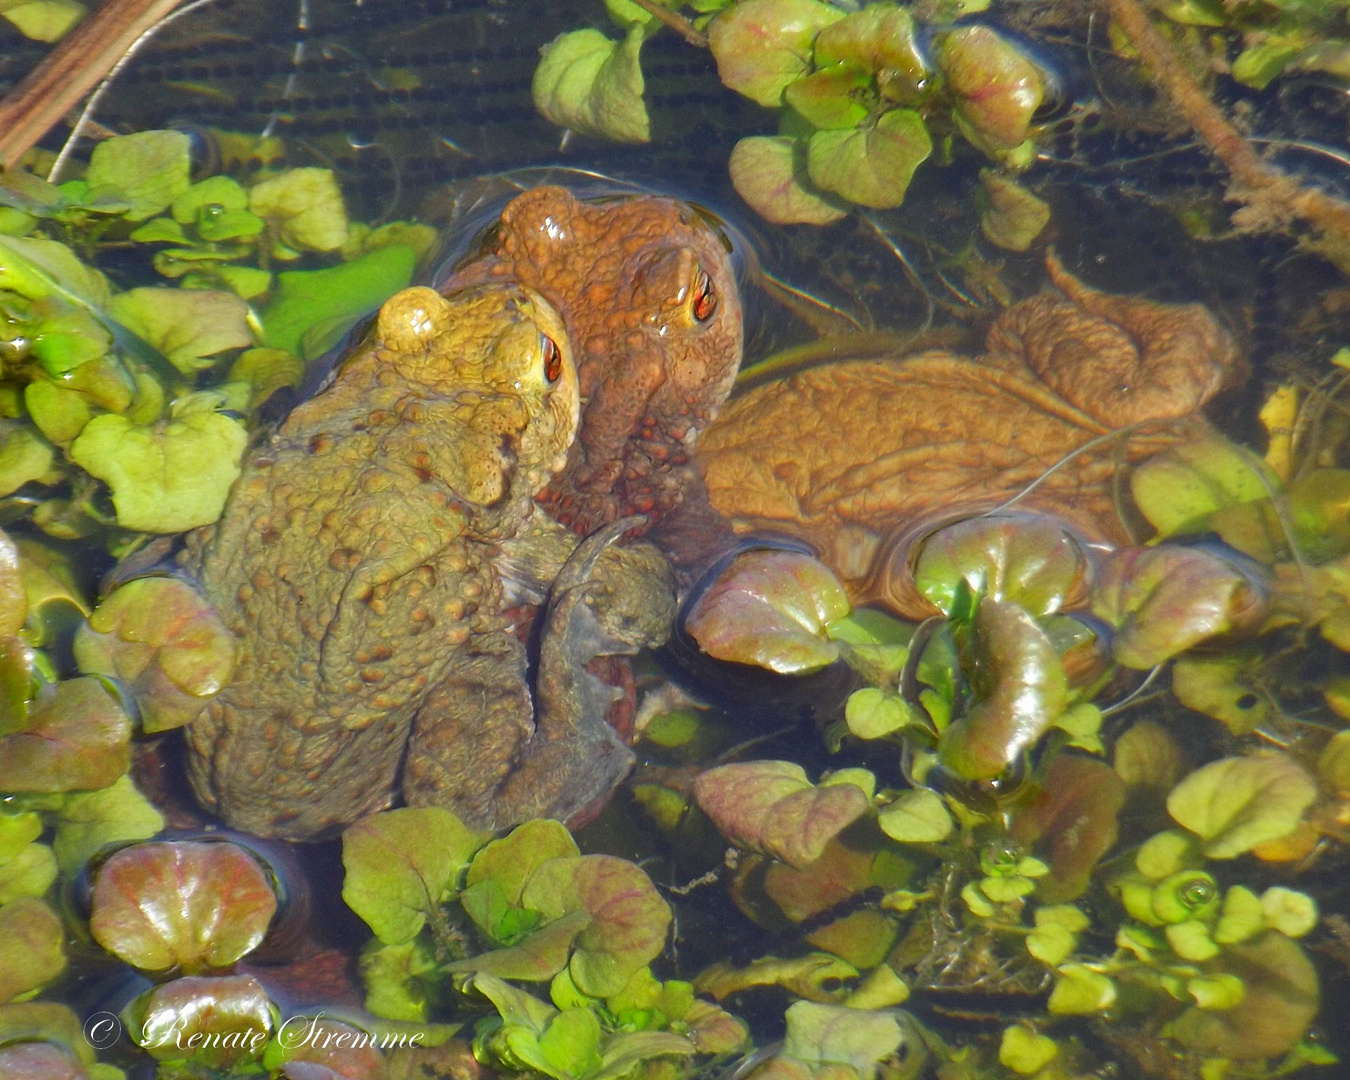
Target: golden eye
{"points": [[704, 297], [552, 359]]}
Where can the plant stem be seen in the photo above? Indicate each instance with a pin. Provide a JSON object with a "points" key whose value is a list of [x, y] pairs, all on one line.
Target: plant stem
{"points": [[676, 22]]}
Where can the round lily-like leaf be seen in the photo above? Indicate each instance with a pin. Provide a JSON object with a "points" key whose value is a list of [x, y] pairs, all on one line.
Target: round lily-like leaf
{"points": [[997, 89], [820, 1035], [769, 173], [167, 478], [593, 85], [536, 957], [771, 807], [1028, 559], [29, 872], [916, 817], [304, 206], [215, 1021], [88, 820], [401, 864], [498, 873], [222, 191], [1236, 803], [832, 96], [186, 905], [770, 608], [1024, 1051], [185, 325], [1165, 600], [32, 947], [1020, 691], [24, 456], [148, 170], [840, 872], [40, 1061], [47, 1022], [1147, 756], [763, 45], [166, 644], [77, 739], [628, 917], [1180, 488], [870, 166], [880, 39]]}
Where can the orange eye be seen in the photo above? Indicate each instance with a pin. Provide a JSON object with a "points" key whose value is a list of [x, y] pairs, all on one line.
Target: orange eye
{"points": [[552, 360], [705, 297]]}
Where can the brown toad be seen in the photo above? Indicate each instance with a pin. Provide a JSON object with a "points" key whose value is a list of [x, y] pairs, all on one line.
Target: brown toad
{"points": [[367, 561]]}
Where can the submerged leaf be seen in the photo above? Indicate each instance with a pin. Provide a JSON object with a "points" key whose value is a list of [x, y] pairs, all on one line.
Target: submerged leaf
{"points": [[1214, 685], [185, 325], [1180, 488], [816, 976], [305, 208], [769, 173], [870, 166], [148, 169], [1237, 803], [1013, 218], [77, 739], [830, 96], [593, 85], [88, 820], [771, 807], [916, 817], [833, 1035], [32, 947], [763, 45], [43, 20], [228, 1017]]}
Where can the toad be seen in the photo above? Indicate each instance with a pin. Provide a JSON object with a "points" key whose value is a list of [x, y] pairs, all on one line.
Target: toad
{"points": [[646, 287], [367, 562], [863, 459]]}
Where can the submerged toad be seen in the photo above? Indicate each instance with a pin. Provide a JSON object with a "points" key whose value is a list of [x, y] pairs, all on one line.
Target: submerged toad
{"points": [[864, 459], [366, 562], [646, 287]]}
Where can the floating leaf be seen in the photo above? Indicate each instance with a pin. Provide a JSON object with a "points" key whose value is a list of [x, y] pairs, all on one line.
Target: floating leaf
{"points": [[1178, 489], [763, 45], [39, 1060], [188, 905], [35, 267], [870, 166], [1019, 691], [29, 872], [308, 300], [24, 456], [829, 97], [872, 713], [593, 85], [400, 980], [217, 1021], [771, 807], [1013, 218], [167, 478], [17, 831], [1214, 685], [1147, 756], [305, 208], [997, 88], [1236, 803], [1292, 913], [1165, 600], [916, 817], [536, 957], [816, 976], [881, 39], [165, 643], [629, 918], [770, 608], [1024, 1051], [833, 1035], [769, 173], [266, 371], [88, 820], [1072, 822], [32, 950], [77, 738], [148, 169], [1080, 991], [401, 864], [185, 325], [43, 20]]}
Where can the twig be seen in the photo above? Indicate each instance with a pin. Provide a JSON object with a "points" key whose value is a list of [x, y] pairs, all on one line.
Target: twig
{"points": [[676, 22], [1264, 183], [71, 70]]}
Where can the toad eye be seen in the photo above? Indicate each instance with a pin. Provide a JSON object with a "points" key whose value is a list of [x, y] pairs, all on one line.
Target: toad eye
{"points": [[704, 297], [552, 359]]}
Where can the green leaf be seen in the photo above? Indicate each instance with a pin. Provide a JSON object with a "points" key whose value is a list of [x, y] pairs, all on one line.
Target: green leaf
{"points": [[304, 207], [1292, 913], [870, 166], [761, 46], [1236, 803], [307, 298], [1148, 756], [185, 325], [593, 85], [1014, 216], [77, 738], [820, 1035], [17, 831], [44, 20], [571, 1043], [510, 861], [771, 807], [221, 191], [32, 950], [89, 820], [513, 1005], [1180, 488], [400, 980], [35, 267], [24, 456], [880, 38], [29, 873], [1214, 685], [1190, 940], [1241, 917], [158, 231], [167, 478], [769, 173], [833, 96], [872, 713], [997, 89], [1024, 1051], [1258, 64], [148, 169], [1079, 991], [816, 976], [402, 864], [538, 956], [203, 1012], [916, 817]]}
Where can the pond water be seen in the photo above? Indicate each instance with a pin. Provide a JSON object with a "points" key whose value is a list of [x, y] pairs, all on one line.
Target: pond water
{"points": [[984, 935]]}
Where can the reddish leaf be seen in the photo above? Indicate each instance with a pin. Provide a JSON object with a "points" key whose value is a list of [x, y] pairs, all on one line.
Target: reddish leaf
{"points": [[77, 739], [217, 1021]]}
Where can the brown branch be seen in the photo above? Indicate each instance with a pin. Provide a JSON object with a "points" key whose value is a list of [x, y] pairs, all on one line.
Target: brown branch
{"points": [[1264, 183], [71, 70], [676, 22]]}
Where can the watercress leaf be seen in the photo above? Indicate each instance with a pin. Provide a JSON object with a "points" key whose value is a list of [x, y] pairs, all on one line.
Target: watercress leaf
{"points": [[997, 89], [1241, 917], [771, 807], [77, 738], [1080, 991], [831, 97], [189, 905], [160, 230], [769, 172], [1238, 802], [148, 169], [770, 608], [593, 85], [880, 38], [222, 191], [218, 226], [200, 1011], [916, 817], [401, 864], [1178, 489], [1024, 1051], [871, 166], [872, 713], [627, 1050], [834, 1035], [32, 951], [537, 957], [35, 267], [28, 873], [571, 1043], [24, 191], [17, 831], [44, 1061], [166, 478], [515, 1006], [763, 45], [817, 976], [88, 820], [510, 861], [304, 207], [1292, 913], [184, 325], [714, 1030], [24, 456], [1013, 216], [400, 980], [1215, 686]]}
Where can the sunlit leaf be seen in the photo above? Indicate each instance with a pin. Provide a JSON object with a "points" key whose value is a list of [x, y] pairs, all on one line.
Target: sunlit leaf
{"points": [[32, 947], [833, 1035], [870, 166], [35, 267], [1024, 1051], [185, 325], [40, 1060], [24, 456], [401, 864], [916, 817], [770, 608], [230, 1017], [305, 208], [815, 976], [830, 97], [771, 807], [328, 1049], [148, 169], [509, 862], [763, 45], [400, 980], [77, 739], [1238, 802], [1080, 991], [881, 39], [29, 872], [189, 905], [1292, 913], [769, 173], [1148, 756], [593, 85], [997, 88], [1214, 685], [1178, 489], [88, 820], [538, 956]]}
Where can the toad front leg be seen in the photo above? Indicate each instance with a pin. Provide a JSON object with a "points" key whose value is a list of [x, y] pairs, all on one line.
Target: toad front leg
{"points": [[497, 755]]}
